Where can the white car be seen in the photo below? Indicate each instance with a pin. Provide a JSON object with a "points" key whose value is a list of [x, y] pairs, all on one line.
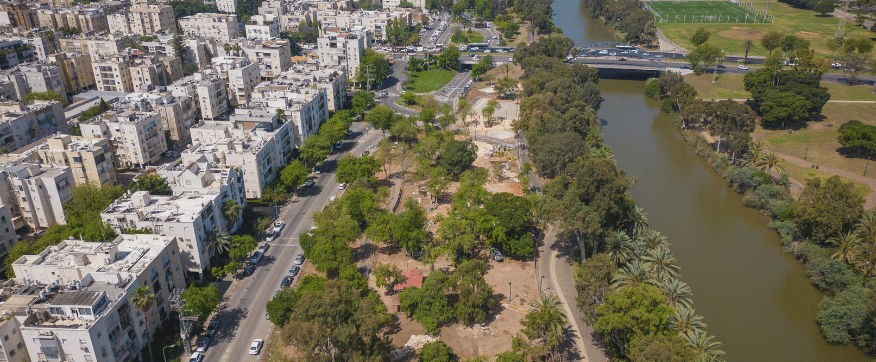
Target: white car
{"points": [[279, 226], [271, 236], [256, 346], [309, 183], [342, 186], [196, 357], [742, 67]]}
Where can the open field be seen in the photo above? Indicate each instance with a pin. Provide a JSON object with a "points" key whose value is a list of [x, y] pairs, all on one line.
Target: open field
{"points": [[817, 142], [701, 12], [430, 80], [727, 85], [801, 174], [790, 21]]}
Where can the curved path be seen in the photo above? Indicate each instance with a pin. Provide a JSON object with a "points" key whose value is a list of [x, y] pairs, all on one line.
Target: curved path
{"points": [[870, 200]]}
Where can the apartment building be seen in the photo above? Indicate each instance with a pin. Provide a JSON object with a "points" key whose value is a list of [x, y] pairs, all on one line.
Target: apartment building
{"points": [[204, 177], [196, 51], [305, 107], [226, 6], [87, 20], [263, 27], [38, 192], [90, 159], [15, 52], [44, 77], [148, 19], [39, 43], [22, 123], [252, 139], [272, 56], [76, 71], [374, 21], [291, 20], [8, 239], [137, 138], [112, 73], [342, 48], [178, 113], [12, 347], [188, 217], [332, 79], [219, 27], [119, 23], [208, 88], [240, 75], [22, 15], [77, 295], [276, 8], [13, 85]]}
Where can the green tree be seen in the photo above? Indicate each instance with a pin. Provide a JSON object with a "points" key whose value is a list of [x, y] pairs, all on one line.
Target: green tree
{"points": [[700, 36], [780, 107], [457, 157], [748, 45], [178, 48], [49, 95], [327, 247], [437, 351], [475, 296], [830, 275], [409, 227], [231, 210], [362, 102], [630, 315], [156, 185], [771, 40], [827, 208], [662, 348], [373, 69], [388, 275], [240, 246], [381, 117], [142, 301], [703, 345], [294, 174], [823, 7], [315, 149], [546, 322], [847, 246], [337, 323], [858, 137], [428, 304], [280, 307], [593, 282], [216, 242], [351, 168], [200, 301]]}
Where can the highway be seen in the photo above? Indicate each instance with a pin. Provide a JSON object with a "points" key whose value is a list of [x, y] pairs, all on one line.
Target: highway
{"points": [[242, 310]]}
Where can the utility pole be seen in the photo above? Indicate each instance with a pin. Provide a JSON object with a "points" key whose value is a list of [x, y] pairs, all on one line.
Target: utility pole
{"points": [[185, 323], [715, 73], [368, 76]]}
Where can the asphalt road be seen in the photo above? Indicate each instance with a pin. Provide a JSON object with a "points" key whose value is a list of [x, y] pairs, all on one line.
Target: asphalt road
{"points": [[242, 312]]}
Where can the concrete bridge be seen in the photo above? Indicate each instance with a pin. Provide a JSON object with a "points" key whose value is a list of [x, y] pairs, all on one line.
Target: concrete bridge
{"points": [[618, 60]]}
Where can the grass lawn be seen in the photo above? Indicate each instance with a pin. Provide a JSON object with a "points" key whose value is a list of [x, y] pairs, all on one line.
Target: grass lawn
{"points": [[428, 81], [474, 37], [818, 140], [701, 12], [727, 85], [802, 23], [801, 174], [846, 92]]}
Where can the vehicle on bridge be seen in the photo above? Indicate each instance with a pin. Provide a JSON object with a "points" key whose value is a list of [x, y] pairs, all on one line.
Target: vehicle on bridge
{"points": [[473, 47]]}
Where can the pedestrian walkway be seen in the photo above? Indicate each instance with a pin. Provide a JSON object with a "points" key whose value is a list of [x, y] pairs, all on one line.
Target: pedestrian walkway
{"points": [[870, 200]]}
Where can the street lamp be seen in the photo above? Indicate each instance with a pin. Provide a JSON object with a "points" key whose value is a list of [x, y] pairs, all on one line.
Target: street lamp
{"points": [[162, 352], [509, 291]]}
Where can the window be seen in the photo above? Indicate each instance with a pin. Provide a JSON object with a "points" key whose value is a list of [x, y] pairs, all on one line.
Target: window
{"points": [[12, 353], [6, 338], [20, 345]]}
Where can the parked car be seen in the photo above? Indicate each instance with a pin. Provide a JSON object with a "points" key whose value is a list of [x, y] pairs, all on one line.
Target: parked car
{"points": [[496, 255], [684, 66], [256, 346], [293, 271], [317, 170], [742, 67], [248, 270], [279, 226], [365, 153], [623, 59], [264, 247], [309, 183], [342, 186], [203, 344], [287, 281], [212, 327], [196, 357], [256, 258], [299, 259], [271, 236]]}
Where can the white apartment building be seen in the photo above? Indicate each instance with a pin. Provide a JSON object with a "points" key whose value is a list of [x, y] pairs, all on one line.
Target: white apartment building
{"points": [[374, 21], [226, 6], [137, 138], [148, 18], [112, 73], [80, 293], [12, 347], [305, 107], [334, 48], [208, 88], [252, 139], [219, 27], [8, 239], [291, 20], [333, 79], [22, 123], [263, 27], [93, 46], [38, 192], [188, 217], [118, 23], [272, 56], [276, 8], [393, 4], [205, 177], [44, 77], [178, 113], [240, 75]]}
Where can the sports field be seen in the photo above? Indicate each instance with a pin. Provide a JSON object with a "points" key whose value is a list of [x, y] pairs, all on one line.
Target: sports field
{"points": [[701, 12]]}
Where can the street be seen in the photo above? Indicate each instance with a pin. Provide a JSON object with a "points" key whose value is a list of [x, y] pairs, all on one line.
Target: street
{"points": [[242, 312]]}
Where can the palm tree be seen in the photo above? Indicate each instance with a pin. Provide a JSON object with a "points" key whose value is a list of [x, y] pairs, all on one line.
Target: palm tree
{"points": [[550, 308], [637, 221], [662, 263], [865, 260], [281, 114], [653, 240], [686, 320], [632, 275], [677, 293], [216, 242], [703, 344], [755, 153], [142, 300], [866, 227], [227, 48], [237, 49], [619, 247], [847, 246], [231, 210], [770, 161]]}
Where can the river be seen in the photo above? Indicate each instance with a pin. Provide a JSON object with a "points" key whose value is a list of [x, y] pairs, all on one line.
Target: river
{"points": [[755, 299]]}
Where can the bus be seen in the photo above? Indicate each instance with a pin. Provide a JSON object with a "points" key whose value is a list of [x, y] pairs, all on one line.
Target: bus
{"points": [[477, 46], [626, 47]]}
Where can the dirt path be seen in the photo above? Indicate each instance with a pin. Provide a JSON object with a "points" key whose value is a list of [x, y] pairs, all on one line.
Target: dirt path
{"points": [[667, 45], [870, 200], [747, 99]]}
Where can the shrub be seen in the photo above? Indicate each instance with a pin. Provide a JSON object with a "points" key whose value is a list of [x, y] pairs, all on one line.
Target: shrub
{"points": [[652, 89], [830, 275]]}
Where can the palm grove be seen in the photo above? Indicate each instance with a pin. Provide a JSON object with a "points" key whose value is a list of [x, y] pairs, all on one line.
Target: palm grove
{"points": [[826, 227]]}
